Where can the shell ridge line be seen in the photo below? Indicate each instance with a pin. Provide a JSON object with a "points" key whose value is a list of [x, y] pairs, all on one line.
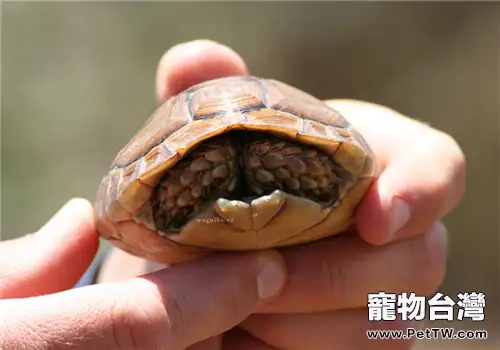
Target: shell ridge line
{"points": [[168, 150], [144, 153], [233, 110], [116, 166], [188, 100], [264, 93], [106, 189], [144, 184], [337, 135], [295, 113], [253, 78], [303, 126], [341, 143], [211, 115], [114, 195], [138, 168]]}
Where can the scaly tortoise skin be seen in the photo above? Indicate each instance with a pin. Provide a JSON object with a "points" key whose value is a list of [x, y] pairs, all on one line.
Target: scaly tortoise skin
{"points": [[234, 164]]}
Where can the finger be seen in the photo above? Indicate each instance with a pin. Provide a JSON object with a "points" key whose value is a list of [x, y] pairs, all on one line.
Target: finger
{"points": [[214, 343], [170, 309], [338, 273], [332, 330], [193, 62], [422, 173], [120, 265], [54, 258], [239, 339]]}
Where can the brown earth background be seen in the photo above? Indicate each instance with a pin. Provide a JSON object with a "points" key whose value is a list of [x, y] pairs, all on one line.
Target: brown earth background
{"points": [[78, 80]]}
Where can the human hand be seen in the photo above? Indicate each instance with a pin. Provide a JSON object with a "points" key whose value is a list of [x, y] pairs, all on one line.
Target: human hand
{"points": [[171, 309], [400, 243]]}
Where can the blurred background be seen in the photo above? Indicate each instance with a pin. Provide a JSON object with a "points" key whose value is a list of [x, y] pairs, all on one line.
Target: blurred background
{"points": [[78, 80]]}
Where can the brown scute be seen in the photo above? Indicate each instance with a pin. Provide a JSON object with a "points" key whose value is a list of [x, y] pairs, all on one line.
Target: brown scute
{"points": [[290, 99], [241, 165]]}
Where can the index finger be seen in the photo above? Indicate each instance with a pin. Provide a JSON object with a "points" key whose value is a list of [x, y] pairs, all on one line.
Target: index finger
{"points": [[170, 309], [422, 173], [193, 62]]}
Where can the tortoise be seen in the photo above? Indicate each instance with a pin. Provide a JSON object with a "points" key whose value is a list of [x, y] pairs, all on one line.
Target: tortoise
{"points": [[234, 164]]}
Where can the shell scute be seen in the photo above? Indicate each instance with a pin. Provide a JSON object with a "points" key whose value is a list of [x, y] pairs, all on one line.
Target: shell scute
{"points": [[227, 96], [285, 97], [167, 119], [192, 134]]}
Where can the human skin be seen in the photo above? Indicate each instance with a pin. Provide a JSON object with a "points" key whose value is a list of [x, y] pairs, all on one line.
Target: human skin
{"points": [[316, 294]]}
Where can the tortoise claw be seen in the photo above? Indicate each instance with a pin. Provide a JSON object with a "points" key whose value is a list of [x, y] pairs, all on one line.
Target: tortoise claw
{"points": [[265, 208], [235, 213]]}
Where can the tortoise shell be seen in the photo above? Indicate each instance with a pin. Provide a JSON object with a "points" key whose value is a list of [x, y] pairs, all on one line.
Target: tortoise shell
{"points": [[238, 163]]}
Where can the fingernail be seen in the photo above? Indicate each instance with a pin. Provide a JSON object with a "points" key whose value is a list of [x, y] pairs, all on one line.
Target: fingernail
{"points": [[400, 214], [437, 235], [270, 280]]}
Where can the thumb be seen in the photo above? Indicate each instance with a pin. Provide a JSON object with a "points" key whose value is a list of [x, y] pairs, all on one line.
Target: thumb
{"points": [[54, 258], [169, 309]]}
